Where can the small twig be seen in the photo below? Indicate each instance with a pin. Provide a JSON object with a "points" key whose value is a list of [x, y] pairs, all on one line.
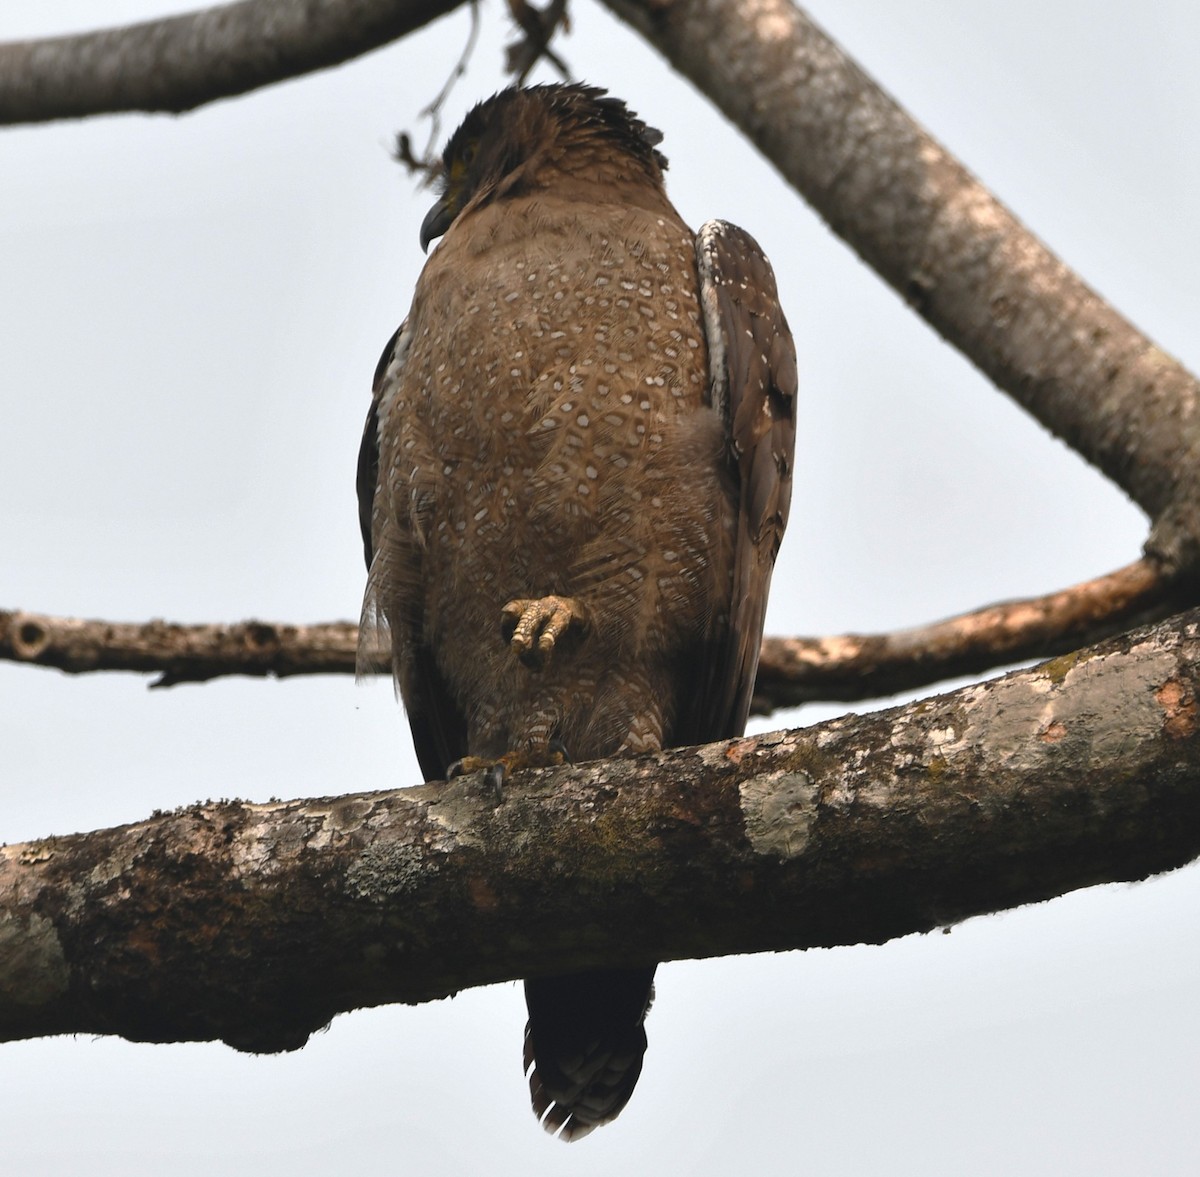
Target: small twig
{"points": [[434, 110], [429, 163], [539, 26]]}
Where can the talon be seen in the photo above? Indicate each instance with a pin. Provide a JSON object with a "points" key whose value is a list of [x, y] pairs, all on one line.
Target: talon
{"points": [[466, 766], [533, 627], [494, 779], [496, 771]]}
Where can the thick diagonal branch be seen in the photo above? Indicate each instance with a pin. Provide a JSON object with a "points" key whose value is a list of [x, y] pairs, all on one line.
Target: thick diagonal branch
{"points": [[257, 923], [181, 62], [957, 255]]}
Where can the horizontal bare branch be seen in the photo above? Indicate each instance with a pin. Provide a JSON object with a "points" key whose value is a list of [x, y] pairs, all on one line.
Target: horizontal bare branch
{"points": [[846, 668], [178, 653], [953, 251], [181, 62], [853, 667], [255, 924]]}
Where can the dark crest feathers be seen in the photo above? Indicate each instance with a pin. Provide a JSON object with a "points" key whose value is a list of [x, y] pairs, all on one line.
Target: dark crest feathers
{"points": [[500, 133]]}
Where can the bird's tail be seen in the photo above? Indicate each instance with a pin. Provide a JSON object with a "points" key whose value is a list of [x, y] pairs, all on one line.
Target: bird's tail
{"points": [[584, 1043]]}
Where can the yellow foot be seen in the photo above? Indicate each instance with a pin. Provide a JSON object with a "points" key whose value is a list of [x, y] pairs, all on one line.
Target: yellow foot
{"points": [[547, 757], [533, 627], [496, 770]]}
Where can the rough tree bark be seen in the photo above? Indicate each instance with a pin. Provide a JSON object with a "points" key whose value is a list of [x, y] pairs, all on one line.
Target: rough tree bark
{"points": [[257, 923]]}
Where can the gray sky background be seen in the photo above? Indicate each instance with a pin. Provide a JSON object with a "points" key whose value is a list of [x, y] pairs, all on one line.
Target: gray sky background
{"points": [[190, 312]]}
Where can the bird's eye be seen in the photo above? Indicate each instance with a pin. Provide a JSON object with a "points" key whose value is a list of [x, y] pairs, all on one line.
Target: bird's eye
{"points": [[460, 165]]}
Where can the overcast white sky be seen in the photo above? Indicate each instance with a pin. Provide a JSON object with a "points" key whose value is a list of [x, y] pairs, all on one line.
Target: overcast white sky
{"points": [[190, 312]]}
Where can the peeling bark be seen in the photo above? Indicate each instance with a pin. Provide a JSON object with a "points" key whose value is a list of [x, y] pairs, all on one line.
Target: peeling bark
{"points": [[256, 924]]}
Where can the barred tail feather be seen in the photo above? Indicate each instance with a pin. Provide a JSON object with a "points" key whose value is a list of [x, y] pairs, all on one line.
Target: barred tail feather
{"points": [[584, 1045]]}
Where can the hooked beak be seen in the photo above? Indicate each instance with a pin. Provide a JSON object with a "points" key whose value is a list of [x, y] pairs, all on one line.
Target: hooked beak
{"points": [[436, 222]]}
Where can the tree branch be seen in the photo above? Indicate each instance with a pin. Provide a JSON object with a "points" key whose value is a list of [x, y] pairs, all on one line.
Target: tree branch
{"points": [[257, 923], [853, 667], [178, 653], [961, 259], [846, 668], [181, 62]]}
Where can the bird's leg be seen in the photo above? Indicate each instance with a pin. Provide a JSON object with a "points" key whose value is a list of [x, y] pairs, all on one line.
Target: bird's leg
{"points": [[547, 756], [544, 756], [533, 627], [494, 773]]}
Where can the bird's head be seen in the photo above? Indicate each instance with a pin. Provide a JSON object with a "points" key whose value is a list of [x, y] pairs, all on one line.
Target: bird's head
{"points": [[520, 140]]}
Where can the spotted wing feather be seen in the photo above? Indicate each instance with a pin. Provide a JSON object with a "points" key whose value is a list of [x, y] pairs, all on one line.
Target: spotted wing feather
{"points": [[438, 727], [752, 362]]}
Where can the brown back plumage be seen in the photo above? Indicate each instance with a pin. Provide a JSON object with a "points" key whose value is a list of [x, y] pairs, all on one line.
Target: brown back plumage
{"points": [[590, 406]]}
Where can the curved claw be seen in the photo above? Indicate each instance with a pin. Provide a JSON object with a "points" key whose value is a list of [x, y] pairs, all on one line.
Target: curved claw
{"points": [[496, 771], [494, 779]]}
